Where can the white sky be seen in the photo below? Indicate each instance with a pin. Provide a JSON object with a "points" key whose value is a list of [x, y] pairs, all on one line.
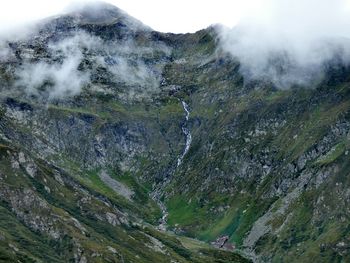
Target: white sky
{"points": [[177, 16]]}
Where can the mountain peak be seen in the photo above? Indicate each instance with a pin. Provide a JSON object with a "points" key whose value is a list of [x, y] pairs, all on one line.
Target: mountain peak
{"points": [[98, 12]]}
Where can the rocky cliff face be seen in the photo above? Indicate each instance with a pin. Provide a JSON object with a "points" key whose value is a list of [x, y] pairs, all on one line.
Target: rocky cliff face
{"points": [[109, 129]]}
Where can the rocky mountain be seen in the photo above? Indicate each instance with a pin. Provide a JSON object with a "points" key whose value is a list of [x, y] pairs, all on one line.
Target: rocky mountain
{"points": [[122, 144]]}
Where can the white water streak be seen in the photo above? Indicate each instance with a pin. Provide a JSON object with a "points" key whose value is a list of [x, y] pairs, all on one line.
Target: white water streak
{"points": [[187, 133]]}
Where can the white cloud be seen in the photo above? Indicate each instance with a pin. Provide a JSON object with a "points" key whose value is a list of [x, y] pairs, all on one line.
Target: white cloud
{"points": [[168, 16], [62, 78], [125, 60], [289, 40], [306, 33]]}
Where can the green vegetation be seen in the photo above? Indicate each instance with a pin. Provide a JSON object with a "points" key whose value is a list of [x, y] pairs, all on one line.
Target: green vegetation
{"points": [[181, 212], [254, 147], [332, 155]]}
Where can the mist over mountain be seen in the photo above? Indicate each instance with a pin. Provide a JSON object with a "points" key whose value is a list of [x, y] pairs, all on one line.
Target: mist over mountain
{"points": [[291, 43], [119, 143]]}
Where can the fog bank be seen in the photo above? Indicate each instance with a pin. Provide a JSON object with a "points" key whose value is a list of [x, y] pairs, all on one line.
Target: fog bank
{"points": [[289, 42]]}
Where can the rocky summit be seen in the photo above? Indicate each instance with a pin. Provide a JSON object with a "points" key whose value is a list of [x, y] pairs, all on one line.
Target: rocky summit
{"points": [[122, 144]]}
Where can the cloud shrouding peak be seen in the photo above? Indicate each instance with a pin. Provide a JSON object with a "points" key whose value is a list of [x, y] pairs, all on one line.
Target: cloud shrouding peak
{"points": [[179, 16], [289, 41]]}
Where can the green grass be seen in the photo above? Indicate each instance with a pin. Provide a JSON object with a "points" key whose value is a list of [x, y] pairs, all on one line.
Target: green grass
{"points": [[224, 111], [72, 110], [95, 181], [181, 212], [32, 246], [193, 244], [226, 225], [315, 124], [332, 155]]}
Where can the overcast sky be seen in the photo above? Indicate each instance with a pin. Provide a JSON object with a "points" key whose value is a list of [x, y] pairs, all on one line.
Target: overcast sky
{"points": [[178, 16]]}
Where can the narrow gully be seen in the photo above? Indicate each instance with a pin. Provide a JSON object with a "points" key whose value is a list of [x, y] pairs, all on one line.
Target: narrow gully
{"points": [[156, 195]]}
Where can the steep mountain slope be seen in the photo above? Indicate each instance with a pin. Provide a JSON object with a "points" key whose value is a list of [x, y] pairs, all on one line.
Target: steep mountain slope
{"points": [[76, 133], [109, 128]]}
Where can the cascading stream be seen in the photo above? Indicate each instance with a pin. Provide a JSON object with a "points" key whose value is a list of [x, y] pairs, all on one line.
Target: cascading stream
{"points": [[187, 133], [163, 221], [156, 195]]}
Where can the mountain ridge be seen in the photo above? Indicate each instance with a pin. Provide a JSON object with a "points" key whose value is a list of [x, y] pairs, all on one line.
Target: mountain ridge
{"points": [[90, 164]]}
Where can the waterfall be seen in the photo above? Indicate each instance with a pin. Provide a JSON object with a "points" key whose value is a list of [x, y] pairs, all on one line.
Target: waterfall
{"points": [[156, 195], [186, 132]]}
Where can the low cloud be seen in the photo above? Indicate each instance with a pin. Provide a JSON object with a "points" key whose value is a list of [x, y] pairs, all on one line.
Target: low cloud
{"points": [[62, 73], [5, 52], [57, 76], [290, 42], [53, 80], [132, 72], [73, 61], [127, 63]]}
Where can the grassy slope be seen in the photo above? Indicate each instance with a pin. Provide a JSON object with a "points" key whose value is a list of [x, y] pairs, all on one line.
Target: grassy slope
{"points": [[223, 112], [217, 102], [20, 242]]}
